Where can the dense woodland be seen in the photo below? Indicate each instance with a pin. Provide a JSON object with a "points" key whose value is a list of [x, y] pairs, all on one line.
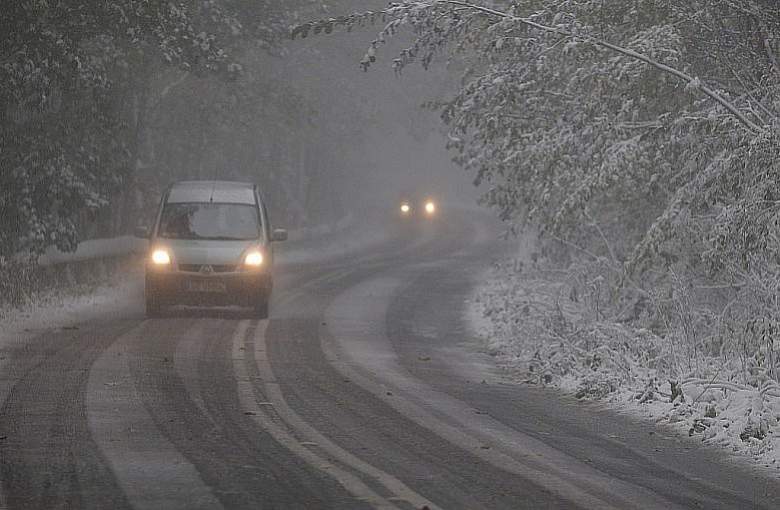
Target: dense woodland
{"points": [[104, 103]]}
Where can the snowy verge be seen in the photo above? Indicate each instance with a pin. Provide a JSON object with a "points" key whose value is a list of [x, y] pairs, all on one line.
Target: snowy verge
{"points": [[105, 292], [541, 335], [64, 309]]}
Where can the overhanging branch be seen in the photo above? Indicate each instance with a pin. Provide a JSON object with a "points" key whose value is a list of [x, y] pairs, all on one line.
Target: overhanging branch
{"points": [[688, 79]]}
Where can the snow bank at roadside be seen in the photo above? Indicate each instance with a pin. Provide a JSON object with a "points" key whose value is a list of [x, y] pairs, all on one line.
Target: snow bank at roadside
{"points": [[539, 334], [123, 293], [65, 308]]}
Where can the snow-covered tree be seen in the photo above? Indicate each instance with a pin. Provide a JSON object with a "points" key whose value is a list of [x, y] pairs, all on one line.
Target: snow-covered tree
{"points": [[79, 82], [65, 142]]}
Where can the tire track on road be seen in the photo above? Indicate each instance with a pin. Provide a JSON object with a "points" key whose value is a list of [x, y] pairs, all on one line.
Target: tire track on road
{"points": [[53, 378], [151, 471], [331, 455], [243, 465], [49, 458], [369, 360], [363, 423]]}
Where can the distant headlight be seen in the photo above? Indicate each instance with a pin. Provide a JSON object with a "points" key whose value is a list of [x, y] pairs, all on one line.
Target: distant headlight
{"points": [[405, 208], [430, 207], [254, 259], [161, 257]]}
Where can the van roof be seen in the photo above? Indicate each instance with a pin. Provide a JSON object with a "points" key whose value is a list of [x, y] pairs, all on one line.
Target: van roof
{"points": [[212, 191]]}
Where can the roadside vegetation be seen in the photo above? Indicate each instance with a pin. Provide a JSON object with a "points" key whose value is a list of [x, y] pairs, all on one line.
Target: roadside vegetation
{"points": [[638, 143]]}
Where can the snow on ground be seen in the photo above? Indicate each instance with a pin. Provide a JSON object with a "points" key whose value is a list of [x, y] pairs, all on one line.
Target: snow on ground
{"points": [[520, 315], [123, 293], [65, 308]]}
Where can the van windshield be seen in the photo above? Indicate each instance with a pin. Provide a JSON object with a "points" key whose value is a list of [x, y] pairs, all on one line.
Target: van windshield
{"points": [[209, 221]]}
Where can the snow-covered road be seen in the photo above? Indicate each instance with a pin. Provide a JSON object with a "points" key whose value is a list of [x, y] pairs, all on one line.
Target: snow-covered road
{"points": [[365, 389]]}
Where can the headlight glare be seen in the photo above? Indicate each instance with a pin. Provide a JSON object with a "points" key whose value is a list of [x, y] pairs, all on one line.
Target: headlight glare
{"points": [[430, 207], [161, 257], [405, 208], [254, 259]]}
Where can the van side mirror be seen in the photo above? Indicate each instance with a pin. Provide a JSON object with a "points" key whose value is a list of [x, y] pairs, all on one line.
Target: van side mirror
{"points": [[279, 234], [142, 232]]}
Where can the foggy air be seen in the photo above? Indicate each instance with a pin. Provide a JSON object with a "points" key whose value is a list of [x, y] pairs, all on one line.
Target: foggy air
{"points": [[424, 254]]}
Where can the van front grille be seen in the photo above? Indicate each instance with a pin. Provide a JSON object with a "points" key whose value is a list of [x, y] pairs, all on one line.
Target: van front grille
{"points": [[217, 268]]}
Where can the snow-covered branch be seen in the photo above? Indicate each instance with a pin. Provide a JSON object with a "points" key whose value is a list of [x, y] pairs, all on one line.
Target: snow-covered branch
{"points": [[692, 83]]}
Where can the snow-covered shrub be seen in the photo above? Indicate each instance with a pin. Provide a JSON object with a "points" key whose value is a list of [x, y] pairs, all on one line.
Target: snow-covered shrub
{"points": [[664, 351]]}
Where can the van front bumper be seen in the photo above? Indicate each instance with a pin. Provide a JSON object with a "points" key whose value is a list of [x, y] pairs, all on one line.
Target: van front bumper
{"points": [[243, 288]]}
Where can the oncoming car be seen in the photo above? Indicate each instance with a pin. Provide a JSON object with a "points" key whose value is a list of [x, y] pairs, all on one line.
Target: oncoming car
{"points": [[210, 245], [417, 208]]}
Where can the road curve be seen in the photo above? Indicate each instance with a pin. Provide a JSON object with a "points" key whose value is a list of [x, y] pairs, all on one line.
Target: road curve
{"points": [[365, 389]]}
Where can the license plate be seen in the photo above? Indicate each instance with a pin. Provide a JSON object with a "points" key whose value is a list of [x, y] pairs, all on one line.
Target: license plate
{"points": [[205, 286]]}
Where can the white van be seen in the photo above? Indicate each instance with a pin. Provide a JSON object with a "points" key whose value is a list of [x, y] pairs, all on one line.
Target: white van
{"points": [[210, 245]]}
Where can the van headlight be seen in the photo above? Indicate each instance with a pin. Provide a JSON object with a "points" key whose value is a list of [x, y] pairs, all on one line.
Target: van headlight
{"points": [[161, 257], [254, 259]]}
